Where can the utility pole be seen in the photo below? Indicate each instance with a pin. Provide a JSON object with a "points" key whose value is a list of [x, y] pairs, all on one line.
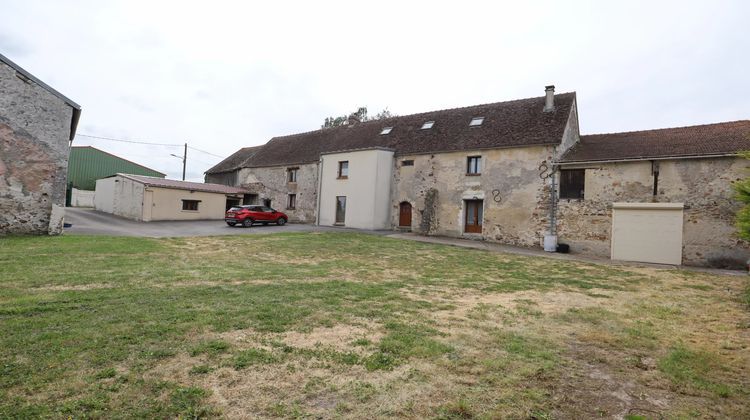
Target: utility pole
{"points": [[184, 162]]}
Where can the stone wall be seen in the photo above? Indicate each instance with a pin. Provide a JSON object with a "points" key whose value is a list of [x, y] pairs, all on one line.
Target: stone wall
{"points": [[34, 133], [703, 185], [516, 199], [271, 183]]}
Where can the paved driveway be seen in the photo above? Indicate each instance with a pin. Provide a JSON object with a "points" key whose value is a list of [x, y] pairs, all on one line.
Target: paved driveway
{"points": [[92, 222]]}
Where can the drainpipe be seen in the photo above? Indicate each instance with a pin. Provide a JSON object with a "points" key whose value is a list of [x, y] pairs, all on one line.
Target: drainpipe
{"points": [[320, 186], [550, 238]]}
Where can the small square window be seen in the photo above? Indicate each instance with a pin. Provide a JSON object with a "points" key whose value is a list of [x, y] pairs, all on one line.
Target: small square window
{"points": [[291, 174], [427, 125], [190, 205], [386, 130], [476, 121], [407, 163], [291, 202], [343, 169], [473, 165], [572, 183]]}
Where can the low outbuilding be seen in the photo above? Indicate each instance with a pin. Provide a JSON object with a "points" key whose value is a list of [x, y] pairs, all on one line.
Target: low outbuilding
{"points": [[147, 198]]}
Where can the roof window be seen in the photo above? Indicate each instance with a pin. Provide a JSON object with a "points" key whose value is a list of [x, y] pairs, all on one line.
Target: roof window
{"points": [[386, 130], [476, 121], [427, 125]]}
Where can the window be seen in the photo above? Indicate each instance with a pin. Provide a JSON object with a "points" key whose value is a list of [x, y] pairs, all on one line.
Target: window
{"points": [[386, 130], [190, 205], [572, 183], [427, 125], [291, 174], [476, 121], [407, 163], [340, 210], [291, 202], [473, 165], [344, 169]]}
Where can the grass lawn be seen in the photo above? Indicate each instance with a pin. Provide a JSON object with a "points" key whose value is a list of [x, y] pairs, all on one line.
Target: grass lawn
{"points": [[352, 325]]}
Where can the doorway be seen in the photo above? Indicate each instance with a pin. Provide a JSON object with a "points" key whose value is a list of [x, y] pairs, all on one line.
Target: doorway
{"points": [[340, 210], [267, 202], [404, 214], [232, 202], [473, 217]]}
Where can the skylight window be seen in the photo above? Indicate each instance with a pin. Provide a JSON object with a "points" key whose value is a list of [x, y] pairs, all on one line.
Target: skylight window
{"points": [[476, 121], [427, 125], [386, 130]]}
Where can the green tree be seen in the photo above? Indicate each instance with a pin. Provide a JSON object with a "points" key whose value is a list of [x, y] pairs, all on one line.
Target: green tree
{"points": [[742, 188], [360, 115]]}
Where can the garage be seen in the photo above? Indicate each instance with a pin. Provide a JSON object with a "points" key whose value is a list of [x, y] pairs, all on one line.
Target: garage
{"points": [[647, 232]]}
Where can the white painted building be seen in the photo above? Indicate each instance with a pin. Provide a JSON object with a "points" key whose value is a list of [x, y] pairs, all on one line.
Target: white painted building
{"points": [[355, 188], [146, 198]]}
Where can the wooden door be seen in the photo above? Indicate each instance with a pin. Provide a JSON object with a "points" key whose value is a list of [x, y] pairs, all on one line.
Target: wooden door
{"points": [[473, 217], [404, 214]]}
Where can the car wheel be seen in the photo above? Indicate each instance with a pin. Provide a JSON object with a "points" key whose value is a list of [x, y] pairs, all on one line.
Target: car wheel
{"points": [[247, 223], [281, 221], [231, 223]]}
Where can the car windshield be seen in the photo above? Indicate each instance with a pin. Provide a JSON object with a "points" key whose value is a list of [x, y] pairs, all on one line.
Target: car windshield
{"points": [[235, 209]]}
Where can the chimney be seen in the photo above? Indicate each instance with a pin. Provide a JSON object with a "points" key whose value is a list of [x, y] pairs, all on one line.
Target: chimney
{"points": [[549, 101]]}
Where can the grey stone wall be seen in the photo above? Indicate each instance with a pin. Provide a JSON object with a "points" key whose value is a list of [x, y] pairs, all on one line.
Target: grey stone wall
{"points": [[703, 185], [34, 133], [271, 183], [515, 198]]}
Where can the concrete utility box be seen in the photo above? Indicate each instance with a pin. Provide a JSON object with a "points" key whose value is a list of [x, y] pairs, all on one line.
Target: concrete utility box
{"points": [[647, 232]]}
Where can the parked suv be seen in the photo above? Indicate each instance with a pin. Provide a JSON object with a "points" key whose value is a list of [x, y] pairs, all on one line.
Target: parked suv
{"points": [[247, 215]]}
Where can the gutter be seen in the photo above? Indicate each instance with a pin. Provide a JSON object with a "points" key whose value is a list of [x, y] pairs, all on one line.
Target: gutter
{"points": [[643, 159]]}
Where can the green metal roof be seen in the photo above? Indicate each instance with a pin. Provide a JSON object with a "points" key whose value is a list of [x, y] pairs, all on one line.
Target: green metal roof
{"points": [[87, 164]]}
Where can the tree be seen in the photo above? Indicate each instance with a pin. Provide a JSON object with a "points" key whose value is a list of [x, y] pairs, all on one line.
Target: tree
{"points": [[360, 115], [742, 188]]}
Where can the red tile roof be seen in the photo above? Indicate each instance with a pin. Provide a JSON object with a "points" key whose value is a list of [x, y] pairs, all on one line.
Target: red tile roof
{"points": [[506, 124], [699, 140], [184, 185]]}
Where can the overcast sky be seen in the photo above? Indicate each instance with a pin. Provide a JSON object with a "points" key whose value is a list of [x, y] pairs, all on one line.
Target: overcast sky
{"points": [[224, 75]]}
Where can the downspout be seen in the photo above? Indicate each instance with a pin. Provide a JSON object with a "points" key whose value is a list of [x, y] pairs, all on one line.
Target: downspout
{"points": [[320, 186], [550, 238]]}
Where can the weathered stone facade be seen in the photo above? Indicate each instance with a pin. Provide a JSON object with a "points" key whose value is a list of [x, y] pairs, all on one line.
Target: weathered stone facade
{"points": [[270, 183], [704, 185], [35, 127], [515, 197]]}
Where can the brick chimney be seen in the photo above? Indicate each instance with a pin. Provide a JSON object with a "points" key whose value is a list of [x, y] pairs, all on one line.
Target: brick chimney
{"points": [[549, 101]]}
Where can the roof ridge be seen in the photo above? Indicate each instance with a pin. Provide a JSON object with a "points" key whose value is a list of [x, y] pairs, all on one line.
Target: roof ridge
{"points": [[419, 113], [665, 128]]}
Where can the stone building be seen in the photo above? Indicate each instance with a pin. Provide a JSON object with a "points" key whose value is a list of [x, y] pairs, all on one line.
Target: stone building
{"points": [[512, 172], [36, 125]]}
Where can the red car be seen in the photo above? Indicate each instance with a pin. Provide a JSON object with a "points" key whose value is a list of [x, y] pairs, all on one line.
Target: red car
{"points": [[247, 215]]}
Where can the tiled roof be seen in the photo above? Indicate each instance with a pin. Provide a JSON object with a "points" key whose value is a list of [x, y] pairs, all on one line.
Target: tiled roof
{"points": [[235, 161], [506, 124], [184, 185], [699, 140]]}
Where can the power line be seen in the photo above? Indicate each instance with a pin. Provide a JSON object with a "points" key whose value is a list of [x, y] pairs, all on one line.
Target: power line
{"points": [[130, 141], [203, 151], [148, 143]]}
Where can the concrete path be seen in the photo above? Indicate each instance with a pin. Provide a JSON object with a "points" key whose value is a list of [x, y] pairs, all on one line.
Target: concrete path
{"points": [[92, 222]]}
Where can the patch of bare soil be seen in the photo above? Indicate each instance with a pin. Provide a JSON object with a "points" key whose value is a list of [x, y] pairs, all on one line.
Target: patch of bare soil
{"points": [[65, 288]]}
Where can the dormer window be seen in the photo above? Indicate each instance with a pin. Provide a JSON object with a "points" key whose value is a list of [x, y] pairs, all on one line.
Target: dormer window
{"points": [[476, 121], [386, 130], [427, 125]]}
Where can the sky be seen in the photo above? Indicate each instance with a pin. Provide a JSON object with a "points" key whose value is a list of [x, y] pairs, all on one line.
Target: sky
{"points": [[229, 74]]}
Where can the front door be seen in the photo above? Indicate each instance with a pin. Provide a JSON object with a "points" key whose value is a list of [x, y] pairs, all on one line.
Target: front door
{"points": [[473, 220], [404, 214], [340, 210]]}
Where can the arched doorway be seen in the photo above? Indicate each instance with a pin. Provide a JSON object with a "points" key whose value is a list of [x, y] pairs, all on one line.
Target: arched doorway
{"points": [[404, 214]]}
